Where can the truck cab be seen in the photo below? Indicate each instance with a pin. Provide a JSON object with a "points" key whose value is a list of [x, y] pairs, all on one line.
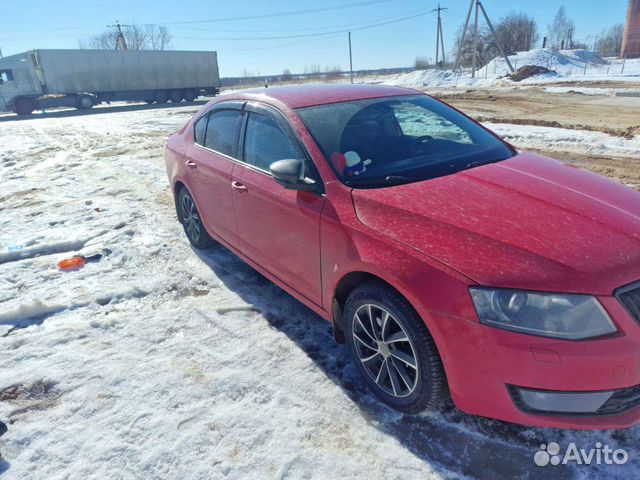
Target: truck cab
{"points": [[18, 79]]}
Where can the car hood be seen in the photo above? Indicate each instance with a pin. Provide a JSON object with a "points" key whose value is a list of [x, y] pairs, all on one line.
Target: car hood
{"points": [[528, 222]]}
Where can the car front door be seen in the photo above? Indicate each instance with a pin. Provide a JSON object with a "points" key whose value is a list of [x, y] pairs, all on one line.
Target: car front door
{"points": [[278, 229], [211, 160]]}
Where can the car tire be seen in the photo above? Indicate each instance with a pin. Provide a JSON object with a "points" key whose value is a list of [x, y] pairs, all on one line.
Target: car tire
{"points": [[24, 106], [192, 222], [400, 362]]}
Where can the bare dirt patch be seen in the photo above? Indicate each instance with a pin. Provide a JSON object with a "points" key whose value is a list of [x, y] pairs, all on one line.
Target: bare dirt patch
{"points": [[615, 116], [628, 132], [532, 104], [40, 395], [623, 170]]}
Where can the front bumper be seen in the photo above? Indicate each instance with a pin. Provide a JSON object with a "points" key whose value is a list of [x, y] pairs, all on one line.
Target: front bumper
{"points": [[484, 365]]}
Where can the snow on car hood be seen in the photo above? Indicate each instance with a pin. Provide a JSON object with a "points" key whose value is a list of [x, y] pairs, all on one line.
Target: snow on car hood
{"points": [[527, 222]]}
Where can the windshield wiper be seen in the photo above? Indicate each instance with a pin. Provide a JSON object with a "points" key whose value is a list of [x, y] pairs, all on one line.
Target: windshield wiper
{"points": [[479, 163], [384, 181]]}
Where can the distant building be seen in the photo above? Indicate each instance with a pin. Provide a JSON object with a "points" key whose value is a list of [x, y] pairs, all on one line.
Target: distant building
{"points": [[631, 38]]}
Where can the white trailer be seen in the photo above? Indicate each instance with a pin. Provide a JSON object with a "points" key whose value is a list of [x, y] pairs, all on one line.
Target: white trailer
{"points": [[38, 79]]}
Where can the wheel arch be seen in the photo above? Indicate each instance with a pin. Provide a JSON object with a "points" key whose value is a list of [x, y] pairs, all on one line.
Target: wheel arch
{"points": [[178, 186], [352, 280]]}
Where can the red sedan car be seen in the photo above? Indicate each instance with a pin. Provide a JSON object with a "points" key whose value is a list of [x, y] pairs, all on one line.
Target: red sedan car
{"points": [[451, 263]]}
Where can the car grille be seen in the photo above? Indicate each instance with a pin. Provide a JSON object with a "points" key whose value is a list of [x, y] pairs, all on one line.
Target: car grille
{"points": [[629, 296]]}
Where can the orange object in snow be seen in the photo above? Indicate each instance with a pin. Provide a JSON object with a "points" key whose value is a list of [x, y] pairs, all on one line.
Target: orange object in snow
{"points": [[72, 263]]}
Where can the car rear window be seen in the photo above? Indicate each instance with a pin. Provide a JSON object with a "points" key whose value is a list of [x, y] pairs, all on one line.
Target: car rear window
{"points": [[222, 131], [200, 129]]}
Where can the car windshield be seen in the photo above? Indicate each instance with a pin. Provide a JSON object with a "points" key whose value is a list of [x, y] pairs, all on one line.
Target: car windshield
{"points": [[394, 140]]}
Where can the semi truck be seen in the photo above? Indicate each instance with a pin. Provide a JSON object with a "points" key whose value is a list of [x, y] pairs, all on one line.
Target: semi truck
{"points": [[46, 78]]}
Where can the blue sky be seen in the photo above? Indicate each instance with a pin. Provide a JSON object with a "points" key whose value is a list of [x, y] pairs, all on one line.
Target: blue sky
{"points": [[59, 24]]}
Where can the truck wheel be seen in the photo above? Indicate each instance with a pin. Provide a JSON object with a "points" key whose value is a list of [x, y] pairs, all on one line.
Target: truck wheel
{"points": [[190, 95], [84, 102], [175, 96], [160, 96], [24, 106]]}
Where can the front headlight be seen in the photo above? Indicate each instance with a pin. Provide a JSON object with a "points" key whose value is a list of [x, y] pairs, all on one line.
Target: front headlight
{"points": [[568, 316]]}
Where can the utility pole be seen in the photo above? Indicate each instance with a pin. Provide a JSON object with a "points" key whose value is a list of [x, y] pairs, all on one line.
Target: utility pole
{"points": [[495, 36], [121, 43], [350, 59], [475, 44], [477, 4], [464, 34], [439, 36]]}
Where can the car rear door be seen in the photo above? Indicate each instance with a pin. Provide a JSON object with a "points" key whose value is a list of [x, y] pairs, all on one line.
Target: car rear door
{"points": [[211, 159], [278, 229]]}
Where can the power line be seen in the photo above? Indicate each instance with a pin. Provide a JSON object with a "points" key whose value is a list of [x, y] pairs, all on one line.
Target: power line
{"points": [[227, 19], [306, 35], [325, 27], [279, 14], [270, 47]]}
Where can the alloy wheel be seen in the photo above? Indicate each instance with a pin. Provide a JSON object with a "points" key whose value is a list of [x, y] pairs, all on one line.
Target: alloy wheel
{"points": [[191, 218], [385, 350]]}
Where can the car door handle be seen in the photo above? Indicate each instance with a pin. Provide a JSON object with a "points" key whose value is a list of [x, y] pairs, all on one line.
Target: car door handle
{"points": [[238, 186], [190, 164]]}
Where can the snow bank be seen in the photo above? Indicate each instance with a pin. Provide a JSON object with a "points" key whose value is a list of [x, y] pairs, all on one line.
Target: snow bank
{"points": [[567, 65], [567, 140]]}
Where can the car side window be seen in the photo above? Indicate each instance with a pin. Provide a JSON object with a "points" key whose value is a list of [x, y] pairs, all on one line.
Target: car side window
{"points": [[199, 130], [222, 131], [265, 143]]}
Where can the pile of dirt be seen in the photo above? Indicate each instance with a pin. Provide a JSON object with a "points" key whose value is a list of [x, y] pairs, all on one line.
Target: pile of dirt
{"points": [[527, 71]]}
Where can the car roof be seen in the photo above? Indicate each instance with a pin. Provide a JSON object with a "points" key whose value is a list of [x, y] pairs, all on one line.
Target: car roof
{"points": [[310, 95]]}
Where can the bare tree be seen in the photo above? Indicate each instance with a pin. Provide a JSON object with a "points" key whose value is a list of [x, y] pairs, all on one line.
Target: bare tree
{"points": [[610, 42], [421, 63], [158, 37], [314, 68], [102, 41], [137, 37], [485, 51], [560, 32], [517, 32]]}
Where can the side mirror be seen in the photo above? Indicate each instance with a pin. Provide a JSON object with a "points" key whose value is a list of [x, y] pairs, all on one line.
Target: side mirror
{"points": [[290, 174]]}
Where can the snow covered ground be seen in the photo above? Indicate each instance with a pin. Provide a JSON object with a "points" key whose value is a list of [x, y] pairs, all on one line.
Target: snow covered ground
{"points": [[568, 140], [158, 361], [568, 65]]}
